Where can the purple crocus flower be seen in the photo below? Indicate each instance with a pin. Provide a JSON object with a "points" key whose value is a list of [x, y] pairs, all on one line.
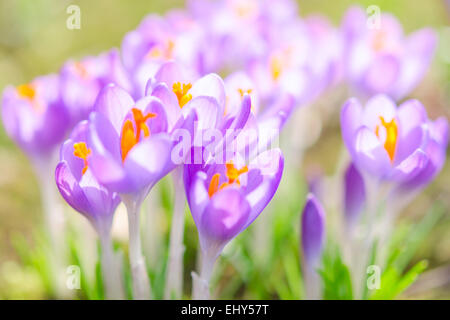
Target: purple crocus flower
{"points": [[79, 187], [313, 238], [132, 145], [285, 68], [381, 59], [225, 199], [295, 60], [313, 231], [354, 195], [81, 81], [398, 147], [158, 40], [325, 60], [36, 119], [82, 191], [436, 153], [34, 116], [131, 142], [387, 142], [181, 93], [231, 26]]}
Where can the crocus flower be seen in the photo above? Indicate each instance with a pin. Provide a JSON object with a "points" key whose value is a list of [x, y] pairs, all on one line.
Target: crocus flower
{"points": [[381, 59], [285, 68], [225, 199], [82, 192], [35, 117], [299, 60], [130, 141], [386, 142], [354, 195], [182, 94], [397, 151], [313, 238], [81, 81], [79, 187], [396, 147]]}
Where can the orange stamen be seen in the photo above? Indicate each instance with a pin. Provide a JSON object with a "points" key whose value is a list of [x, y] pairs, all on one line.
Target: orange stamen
{"points": [[129, 137], [81, 151], [181, 91], [233, 173], [214, 184], [26, 91], [391, 136], [233, 178], [379, 40], [162, 51]]}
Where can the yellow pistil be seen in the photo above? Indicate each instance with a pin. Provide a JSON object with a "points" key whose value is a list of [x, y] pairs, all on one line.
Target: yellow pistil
{"points": [[129, 137], [181, 91], [232, 174], [81, 151], [391, 136]]}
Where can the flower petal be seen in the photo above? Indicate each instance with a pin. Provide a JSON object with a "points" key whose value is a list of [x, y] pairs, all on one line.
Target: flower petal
{"points": [[114, 103], [270, 164], [370, 155]]}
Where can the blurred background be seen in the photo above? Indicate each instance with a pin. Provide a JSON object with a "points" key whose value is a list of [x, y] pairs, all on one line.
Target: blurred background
{"points": [[34, 40]]}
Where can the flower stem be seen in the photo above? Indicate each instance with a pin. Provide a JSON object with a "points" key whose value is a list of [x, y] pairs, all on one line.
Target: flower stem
{"points": [[201, 283], [141, 282], [174, 275], [53, 215], [54, 222], [361, 254], [112, 278]]}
